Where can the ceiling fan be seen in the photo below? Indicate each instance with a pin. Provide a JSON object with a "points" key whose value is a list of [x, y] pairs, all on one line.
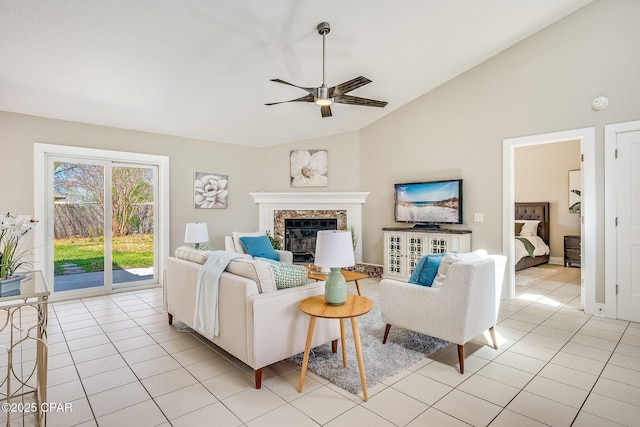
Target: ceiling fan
{"points": [[325, 96]]}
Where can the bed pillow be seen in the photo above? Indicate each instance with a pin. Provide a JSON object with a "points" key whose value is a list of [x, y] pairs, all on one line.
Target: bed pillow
{"points": [[529, 228], [518, 228], [259, 247], [426, 270], [452, 257]]}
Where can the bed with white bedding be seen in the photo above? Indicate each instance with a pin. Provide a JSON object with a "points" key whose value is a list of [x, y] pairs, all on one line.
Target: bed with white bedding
{"points": [[531, 234]]}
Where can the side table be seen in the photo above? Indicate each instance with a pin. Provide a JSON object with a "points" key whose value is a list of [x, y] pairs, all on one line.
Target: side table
{"points": [[355, 306], [572, 251], [17, 308]]}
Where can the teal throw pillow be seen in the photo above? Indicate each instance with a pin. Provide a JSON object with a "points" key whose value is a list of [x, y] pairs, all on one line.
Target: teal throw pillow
{"points": [[287, 275], [259, 247], [426, 270]]}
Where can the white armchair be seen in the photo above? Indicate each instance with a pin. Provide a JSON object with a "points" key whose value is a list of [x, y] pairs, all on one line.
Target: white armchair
{"points": [[464, 306], [233, 244]]}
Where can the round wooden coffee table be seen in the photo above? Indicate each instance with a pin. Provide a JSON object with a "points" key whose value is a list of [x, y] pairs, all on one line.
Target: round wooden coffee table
{"points": [[317, 307]]}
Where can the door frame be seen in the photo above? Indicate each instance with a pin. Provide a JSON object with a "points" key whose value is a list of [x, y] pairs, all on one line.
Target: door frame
{"points": [[586, 136], [42, 181], [610, 212]]}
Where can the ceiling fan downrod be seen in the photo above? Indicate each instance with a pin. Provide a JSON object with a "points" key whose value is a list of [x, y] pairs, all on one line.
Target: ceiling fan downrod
{"points": [[323, 30]]}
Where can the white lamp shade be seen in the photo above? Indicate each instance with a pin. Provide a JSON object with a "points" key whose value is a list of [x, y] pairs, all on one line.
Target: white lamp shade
{"points": [[196, 233], [334, 248]]}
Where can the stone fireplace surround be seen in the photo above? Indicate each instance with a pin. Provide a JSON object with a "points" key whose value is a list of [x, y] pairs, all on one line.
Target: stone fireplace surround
{"points": [[274, 208]]}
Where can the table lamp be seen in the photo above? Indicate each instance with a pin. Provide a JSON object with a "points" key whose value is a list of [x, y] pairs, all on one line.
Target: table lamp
{"points": [[196, 233], [334, 249]]}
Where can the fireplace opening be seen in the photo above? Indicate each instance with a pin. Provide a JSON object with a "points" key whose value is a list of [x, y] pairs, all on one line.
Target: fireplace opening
{"points": [[300, 236]]}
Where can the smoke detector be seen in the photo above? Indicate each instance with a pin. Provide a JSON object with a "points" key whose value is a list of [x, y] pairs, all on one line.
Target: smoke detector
{"points": [[600, 103]]}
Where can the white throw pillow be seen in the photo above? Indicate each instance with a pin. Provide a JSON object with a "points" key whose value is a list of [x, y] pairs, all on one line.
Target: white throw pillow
{"points": [[191, 254], [256, 270], [529, 228], [452, 257], [238, 244]]}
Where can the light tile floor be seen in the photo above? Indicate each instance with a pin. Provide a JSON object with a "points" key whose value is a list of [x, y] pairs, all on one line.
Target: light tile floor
{"points": [[119, 363]]}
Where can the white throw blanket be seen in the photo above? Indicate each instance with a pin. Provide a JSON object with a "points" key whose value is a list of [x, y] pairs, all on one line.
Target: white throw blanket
{"points": [[205, 317]]}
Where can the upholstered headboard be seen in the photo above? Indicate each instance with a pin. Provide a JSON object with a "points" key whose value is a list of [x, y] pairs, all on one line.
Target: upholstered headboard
{"points": [[538, 211]]}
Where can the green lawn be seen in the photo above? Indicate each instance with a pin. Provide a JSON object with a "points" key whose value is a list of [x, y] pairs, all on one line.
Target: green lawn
{"points": [[128, 252]]}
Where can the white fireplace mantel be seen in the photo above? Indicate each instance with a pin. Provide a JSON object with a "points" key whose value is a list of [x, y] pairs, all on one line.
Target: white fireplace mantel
{"points": [[351, 202]]}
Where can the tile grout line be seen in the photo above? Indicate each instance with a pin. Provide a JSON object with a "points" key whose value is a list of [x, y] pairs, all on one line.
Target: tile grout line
{"points": [[599, 376], [185, 330], [107, 297], [75, 366], [547, 362], [120, 354]]}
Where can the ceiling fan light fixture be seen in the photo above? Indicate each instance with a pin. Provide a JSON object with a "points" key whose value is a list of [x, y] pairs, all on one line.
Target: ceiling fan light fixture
{"points": [[323, 96], [324, 101]]}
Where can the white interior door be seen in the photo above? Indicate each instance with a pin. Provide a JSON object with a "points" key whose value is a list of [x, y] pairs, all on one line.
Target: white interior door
{"points": [[628, 225]]}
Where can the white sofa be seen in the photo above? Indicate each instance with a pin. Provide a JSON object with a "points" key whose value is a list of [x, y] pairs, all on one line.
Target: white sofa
{"points": [[465, 305], [258, 324]]}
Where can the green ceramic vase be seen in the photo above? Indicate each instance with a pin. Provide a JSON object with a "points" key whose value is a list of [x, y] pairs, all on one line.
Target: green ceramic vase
{"points": [[335, 288]]}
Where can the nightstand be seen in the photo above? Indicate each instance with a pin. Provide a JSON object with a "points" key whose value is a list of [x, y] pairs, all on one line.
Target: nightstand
{"points": [[572, 251]]}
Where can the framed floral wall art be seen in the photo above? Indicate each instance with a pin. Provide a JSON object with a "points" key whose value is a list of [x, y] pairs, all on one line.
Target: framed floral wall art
{"points": [[308, 168], [210, 190]]}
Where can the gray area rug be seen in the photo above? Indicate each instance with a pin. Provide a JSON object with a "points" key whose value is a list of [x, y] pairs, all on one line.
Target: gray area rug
{"points": [[403, 349]]}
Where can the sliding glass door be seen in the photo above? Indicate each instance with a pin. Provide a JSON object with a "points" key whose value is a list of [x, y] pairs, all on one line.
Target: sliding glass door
{"points": [[104, 215]]}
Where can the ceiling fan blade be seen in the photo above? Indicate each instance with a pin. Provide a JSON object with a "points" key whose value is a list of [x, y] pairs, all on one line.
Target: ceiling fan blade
{"points": [[355, 100], [306, 98], [345, 87], [312, 90], [326, 111]]}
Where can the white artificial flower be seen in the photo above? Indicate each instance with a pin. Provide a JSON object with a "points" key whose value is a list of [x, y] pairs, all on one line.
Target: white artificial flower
{"points": [[211, 191], [308, 170], [12, 231]]}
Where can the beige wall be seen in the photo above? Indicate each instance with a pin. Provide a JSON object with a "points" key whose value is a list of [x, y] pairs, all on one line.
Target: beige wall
{"points": [[542, 175], [343, 163], [543, 84], [249, 169], [243, 165]]}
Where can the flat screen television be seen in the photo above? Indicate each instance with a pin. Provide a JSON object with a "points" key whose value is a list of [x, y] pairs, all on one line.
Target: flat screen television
{"points": [[429, 204]]}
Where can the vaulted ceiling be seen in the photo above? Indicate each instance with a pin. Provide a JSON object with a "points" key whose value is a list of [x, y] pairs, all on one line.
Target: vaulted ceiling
{"points": [[201, 68]]}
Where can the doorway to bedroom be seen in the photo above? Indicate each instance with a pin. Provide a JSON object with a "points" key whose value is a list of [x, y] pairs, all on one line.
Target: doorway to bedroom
{"points": [[533, 165], [542, 175]]}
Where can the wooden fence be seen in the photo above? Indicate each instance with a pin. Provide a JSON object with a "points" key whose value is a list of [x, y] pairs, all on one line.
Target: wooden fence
{"points": [[86, 220]]}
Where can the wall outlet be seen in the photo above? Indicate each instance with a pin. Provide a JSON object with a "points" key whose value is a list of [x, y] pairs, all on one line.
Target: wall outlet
{"points": [[478, 217]]}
